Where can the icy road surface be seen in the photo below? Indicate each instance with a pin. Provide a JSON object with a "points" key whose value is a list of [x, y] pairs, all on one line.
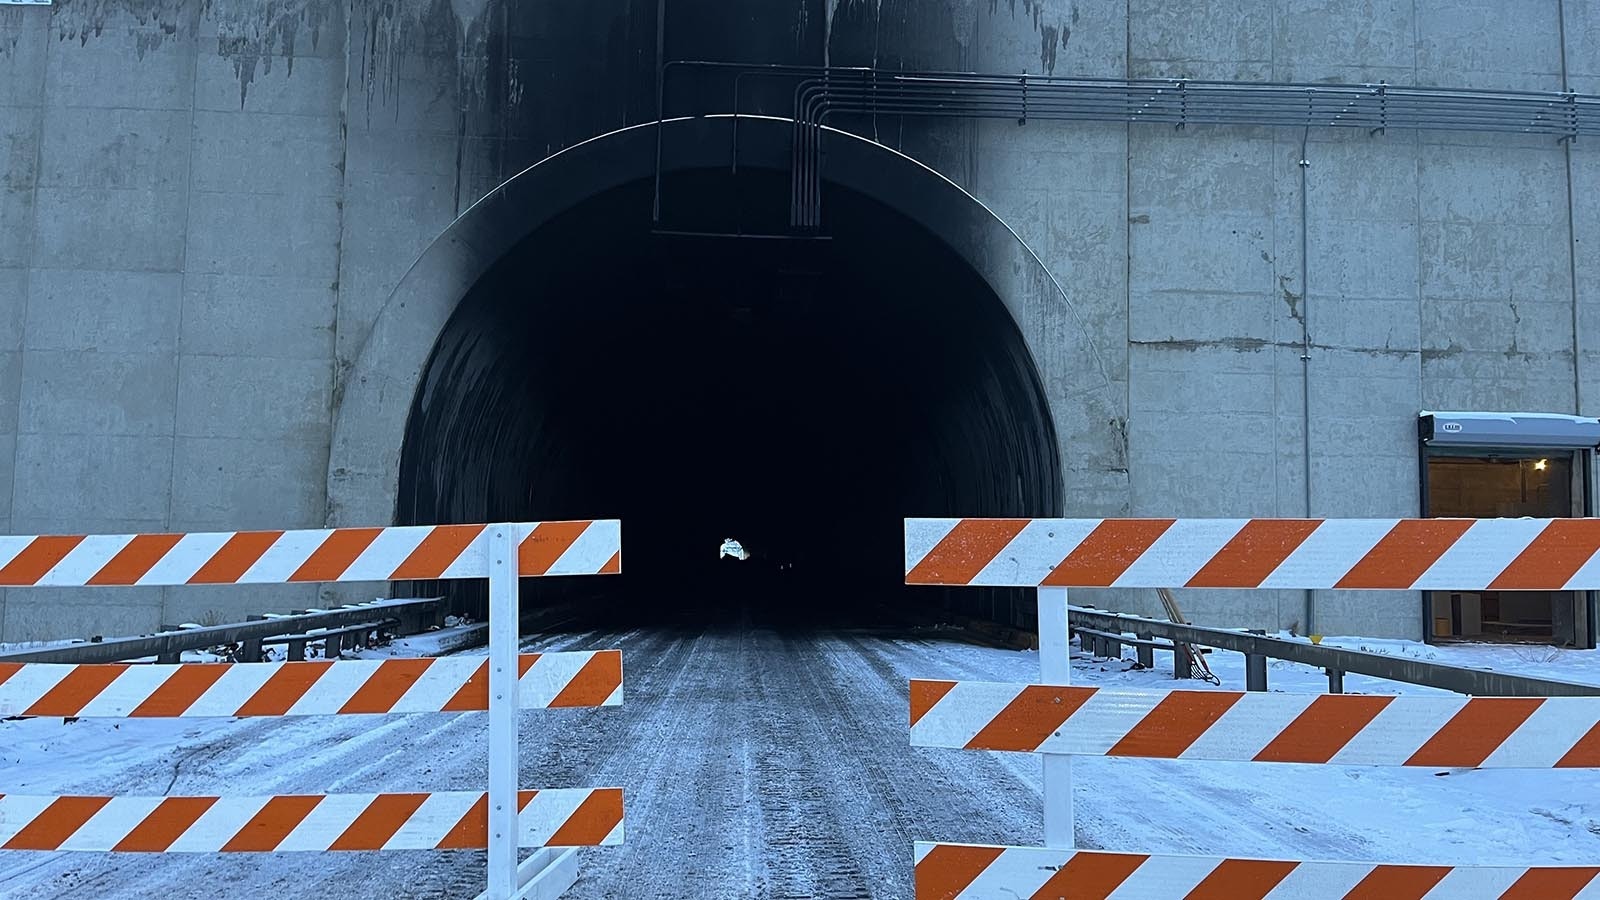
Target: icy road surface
{"points": [[760, 764]]}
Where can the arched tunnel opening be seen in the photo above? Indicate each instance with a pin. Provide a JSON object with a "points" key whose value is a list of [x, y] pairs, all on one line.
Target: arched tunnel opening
{"points": [[801, 396]]}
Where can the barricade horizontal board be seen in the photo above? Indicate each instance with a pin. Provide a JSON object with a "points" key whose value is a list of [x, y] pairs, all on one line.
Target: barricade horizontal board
{"points": [[976, 872], [450, 684], [401, 553], [452, 820], [1347, 554], [1339, 729]]}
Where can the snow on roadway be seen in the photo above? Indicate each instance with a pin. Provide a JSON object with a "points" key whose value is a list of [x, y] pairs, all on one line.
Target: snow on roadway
{"points": [[767, 764]]}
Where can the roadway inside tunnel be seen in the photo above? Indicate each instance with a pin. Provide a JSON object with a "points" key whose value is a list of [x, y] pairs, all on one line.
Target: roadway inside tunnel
{"points": [[800, 396]]}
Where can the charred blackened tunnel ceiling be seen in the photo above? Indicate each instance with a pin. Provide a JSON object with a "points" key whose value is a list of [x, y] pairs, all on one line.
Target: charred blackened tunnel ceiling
{"points": [[801, 396]]}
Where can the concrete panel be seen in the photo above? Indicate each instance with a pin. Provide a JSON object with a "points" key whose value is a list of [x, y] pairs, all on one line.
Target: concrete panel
{"points": [[1049, 37], [1492, 184], [1354, 176], [267, 154], [1471, 43], [94, 228], [1583, 45], [1501, 326], [74, 392], [1363, 409], [140, 149], [13, 307], [265, 316], [1208, 39], [46, 614], [1373, 260], [315, 87], [91, 483], [24, 40], [252, 397], [1473, 261], [264, 234], [122, 312], [1378, 614], [238, 483], [1586, 262], [388, 221], [19, 152], [1534, 382], [127, 66], [1351, 41]]}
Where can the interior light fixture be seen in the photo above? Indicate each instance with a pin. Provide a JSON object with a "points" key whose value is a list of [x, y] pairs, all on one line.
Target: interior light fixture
{"points": [[1540, 465]]}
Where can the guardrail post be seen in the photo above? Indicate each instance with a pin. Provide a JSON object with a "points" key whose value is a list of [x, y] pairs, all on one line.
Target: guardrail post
{"points": [[1255, 667], [1055, 667], [1335, 681], [503, 700], [1146, 653], [1182, 661], [250, 648], [1255, 672]]}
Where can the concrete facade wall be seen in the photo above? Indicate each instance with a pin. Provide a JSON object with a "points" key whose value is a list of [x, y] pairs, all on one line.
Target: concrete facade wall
{"points": [[204, 207]]}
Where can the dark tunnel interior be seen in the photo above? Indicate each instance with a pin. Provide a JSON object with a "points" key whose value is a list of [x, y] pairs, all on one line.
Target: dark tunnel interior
{"points": [[802, 396]]}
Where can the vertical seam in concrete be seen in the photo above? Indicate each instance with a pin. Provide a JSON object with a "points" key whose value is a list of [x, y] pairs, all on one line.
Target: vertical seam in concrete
{"points": [[183, 290], [1127, 269], [27, 278], [1572, 230]]}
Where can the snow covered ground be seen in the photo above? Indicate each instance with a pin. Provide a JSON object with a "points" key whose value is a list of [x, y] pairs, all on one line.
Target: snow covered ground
{"points": [[763, 763]]}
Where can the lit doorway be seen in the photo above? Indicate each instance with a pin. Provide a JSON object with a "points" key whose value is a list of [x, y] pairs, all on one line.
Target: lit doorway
{"points": [[1493, 465]]}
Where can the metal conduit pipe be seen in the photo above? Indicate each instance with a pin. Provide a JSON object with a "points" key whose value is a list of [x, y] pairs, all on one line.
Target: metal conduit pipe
{"points": [[1376, 107]]}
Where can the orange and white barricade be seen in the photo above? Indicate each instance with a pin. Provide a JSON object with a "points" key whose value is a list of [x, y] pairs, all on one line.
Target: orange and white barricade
{"points": [[1060, 721], [502, 819]]}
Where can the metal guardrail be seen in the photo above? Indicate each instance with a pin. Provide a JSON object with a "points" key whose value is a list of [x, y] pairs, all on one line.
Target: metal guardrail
{"points": [[167, 645], [1337, 660]]}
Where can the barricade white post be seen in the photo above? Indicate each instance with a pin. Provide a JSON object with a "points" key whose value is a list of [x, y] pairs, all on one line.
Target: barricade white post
{"points": [[503, 701], [1055, 667]]}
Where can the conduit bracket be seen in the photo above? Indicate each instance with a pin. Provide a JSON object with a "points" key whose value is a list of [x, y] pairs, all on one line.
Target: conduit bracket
{"points": [[1382, 93], [1024, 82]]}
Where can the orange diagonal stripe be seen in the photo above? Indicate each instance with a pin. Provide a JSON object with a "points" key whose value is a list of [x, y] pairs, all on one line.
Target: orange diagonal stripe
{"points": [[379, 693], [1400, 558], [924, 694], [473, 695], [443, 545], [594, 818], [598, 679], [948, 869], [165, 824], [1585, 752], [1398, 883], [1107, 552], [1251, 555], [182, 688], [962, 554], [283, 689], [1241, 879], [1552, 558], [235, 557], [138, 557], [613, 565], [9, 669], [338, 550], [1476, 731], [546, 543], [379, 821], [1323, 728], [1175, 723], [39, 557], [57, 822], [267, 828], [472, 832], [1033, 715], [72, 693], [1091, 875], [1553, 883]]}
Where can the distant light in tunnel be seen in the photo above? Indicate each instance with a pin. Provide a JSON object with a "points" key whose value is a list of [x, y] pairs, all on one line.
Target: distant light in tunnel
{"points": [[733, 548]]}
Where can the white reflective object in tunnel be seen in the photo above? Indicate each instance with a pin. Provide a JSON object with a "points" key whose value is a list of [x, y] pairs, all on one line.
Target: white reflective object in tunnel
{"points": [[733, 548]]}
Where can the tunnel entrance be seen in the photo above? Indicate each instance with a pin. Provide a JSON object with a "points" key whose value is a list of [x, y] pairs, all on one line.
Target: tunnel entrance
{"points": [[803, 396]]}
